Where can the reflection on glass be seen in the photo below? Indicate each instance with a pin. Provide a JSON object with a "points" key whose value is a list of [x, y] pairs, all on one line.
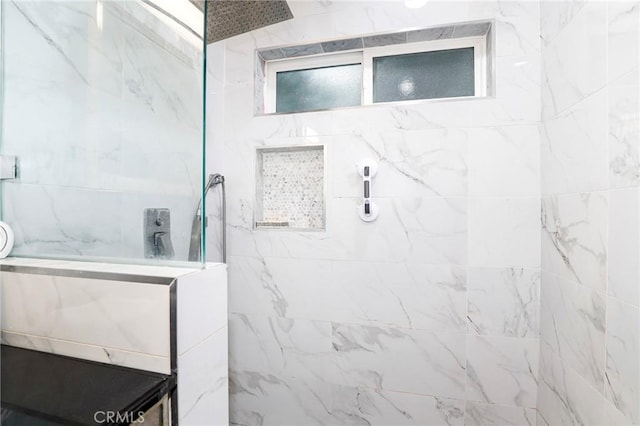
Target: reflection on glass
{"points": [[116, 90], [318, 88], [426, 75]]}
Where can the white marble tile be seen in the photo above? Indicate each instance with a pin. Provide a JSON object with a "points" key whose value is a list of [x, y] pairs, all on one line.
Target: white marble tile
{"points": [[427, 297], [425, 230], [504, 161], [623, 38], [158, 83], [121, 315], [82, 123], [502, 370], [165, 32], [292, 348], [574, 237], [77, 105], [480, 414], [516, 101], [504, 232], [369, 356], [203, 383], [201, 306], [515, 104], [517, 22], [67, 73], [555, 15], [622, 384], [613, 417], [113, 101], [572, 324], [517, 90], [420, 230], [503, 302], [252, 289], [411, 163], [431, 297], [362, 406], [624, 246], [57, 220], [572, 74], [103, 354], [540, 420], [274, 287], [564, 397], [624, 134], [168, 270], [517, 25], [65, 35], [271, 400], [574, 150]]}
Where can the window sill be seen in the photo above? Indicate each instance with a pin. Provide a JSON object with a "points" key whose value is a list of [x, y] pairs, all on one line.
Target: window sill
{"points": [[383, 104]]}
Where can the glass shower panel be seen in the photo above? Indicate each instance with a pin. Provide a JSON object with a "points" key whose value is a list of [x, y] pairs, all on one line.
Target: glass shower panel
{"points": [[103, 106]]}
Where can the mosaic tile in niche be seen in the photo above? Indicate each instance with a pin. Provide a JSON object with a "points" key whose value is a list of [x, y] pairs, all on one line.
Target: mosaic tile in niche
{"points": [[291, 187]]}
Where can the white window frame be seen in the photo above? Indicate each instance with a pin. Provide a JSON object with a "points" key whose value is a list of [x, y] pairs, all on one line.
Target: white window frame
{"points": [[479, 62], [365, 57], [272, 68]]}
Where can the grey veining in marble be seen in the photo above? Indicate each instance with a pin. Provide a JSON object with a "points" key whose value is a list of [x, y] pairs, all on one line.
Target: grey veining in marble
{"points": [[339, 45], [303, 50], [385, 39], [272, 54], [429, 34], [479, 414], [470, 30], [574, 237], [368, 356], [503, 302]]}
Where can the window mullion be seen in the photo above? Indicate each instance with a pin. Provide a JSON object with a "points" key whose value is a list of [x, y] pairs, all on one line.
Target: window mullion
{"points": [[367, 77]]}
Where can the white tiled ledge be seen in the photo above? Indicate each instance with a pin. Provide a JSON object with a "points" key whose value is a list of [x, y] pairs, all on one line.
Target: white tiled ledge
{"points": [[115, 268]]}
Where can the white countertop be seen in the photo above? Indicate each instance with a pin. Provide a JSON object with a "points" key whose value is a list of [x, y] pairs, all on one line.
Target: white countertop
{"points": [[120, 268]]}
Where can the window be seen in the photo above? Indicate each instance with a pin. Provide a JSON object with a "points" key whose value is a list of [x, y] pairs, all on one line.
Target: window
{"points": [[443, 68], [316, 83], [425, 75]]}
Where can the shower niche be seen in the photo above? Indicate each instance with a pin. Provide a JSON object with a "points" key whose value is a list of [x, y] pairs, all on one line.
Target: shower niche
{"points": [[290, 188]]}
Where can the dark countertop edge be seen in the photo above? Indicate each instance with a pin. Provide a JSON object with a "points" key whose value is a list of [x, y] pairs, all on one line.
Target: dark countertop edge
{"points": [[142, 403]]}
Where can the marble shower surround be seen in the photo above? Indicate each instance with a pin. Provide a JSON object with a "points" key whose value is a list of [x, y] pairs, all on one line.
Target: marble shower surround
{"points": [[590, 304], [319, 321]]}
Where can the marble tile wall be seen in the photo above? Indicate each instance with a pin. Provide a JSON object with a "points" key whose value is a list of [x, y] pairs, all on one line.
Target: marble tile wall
{"points": [[102, 106], [122, 315], [590, 306], [114, 322], [202, 347], [430, 314]]}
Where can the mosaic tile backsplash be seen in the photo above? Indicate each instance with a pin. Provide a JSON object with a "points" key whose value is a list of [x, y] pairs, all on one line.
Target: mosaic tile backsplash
{"points": [[290, 188]]}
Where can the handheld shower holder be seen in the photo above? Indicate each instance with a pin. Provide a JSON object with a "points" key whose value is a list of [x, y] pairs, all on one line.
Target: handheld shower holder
{"points": [[368, 210]]}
